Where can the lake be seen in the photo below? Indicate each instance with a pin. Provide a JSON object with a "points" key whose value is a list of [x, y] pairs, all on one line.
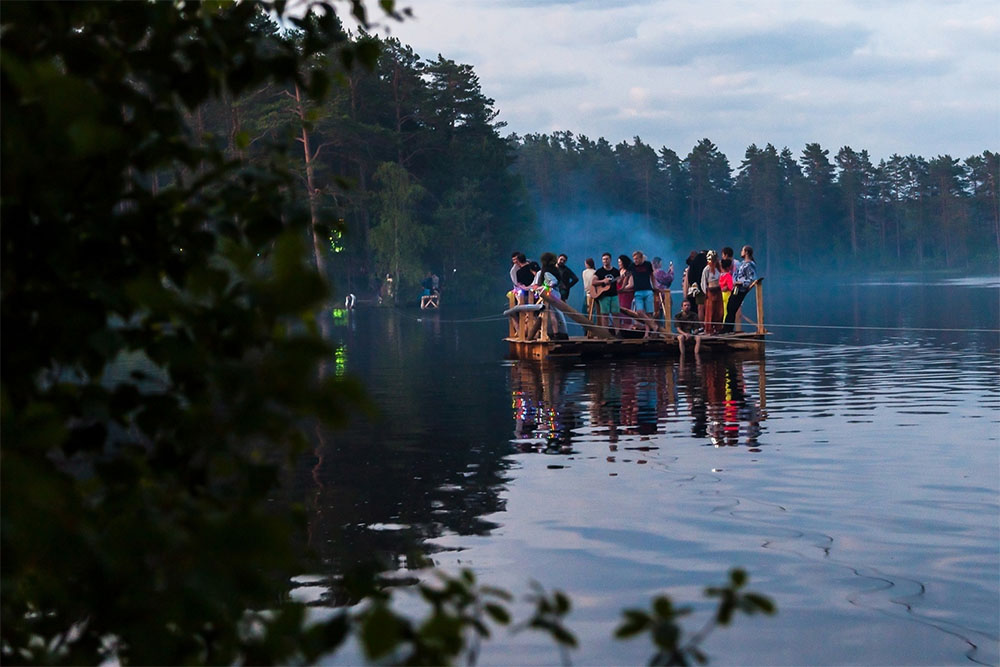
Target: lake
{"points": [[853, 471]]}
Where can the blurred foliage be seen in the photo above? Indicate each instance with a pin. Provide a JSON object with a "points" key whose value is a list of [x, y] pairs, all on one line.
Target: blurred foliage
{"points": [[160, 347], [461, 613], [667, 634]]}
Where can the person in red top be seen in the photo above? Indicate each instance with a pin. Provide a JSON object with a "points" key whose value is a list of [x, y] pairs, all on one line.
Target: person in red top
{"points": [[726, 282]]}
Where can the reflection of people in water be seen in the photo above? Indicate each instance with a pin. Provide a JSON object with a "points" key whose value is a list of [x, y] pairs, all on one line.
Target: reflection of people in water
{"points": [[622, 401], [717, 397], [542, 419]]}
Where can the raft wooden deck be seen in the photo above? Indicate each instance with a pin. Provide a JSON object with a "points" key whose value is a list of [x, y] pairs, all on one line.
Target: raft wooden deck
{"points": [[534, 342], [581, 346]]}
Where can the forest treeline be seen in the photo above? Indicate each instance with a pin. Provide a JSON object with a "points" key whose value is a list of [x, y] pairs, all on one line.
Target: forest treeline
{"points": [[841, 209], [409, 160]]}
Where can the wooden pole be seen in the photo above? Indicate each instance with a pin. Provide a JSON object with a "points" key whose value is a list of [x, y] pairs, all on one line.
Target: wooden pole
{"points": [[524, 326], [589, 330], [512, 325], [760, 306], [668, 308]]}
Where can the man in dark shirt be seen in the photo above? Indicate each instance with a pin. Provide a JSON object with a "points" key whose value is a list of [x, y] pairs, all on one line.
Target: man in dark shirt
{"points": [[688, 326], [642, 279], [696, 261], [607, 300], [567, 278], [525, 276]]}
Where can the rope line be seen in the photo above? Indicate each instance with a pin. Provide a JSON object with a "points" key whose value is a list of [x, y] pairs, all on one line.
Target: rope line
{"points": [[865, 328]]}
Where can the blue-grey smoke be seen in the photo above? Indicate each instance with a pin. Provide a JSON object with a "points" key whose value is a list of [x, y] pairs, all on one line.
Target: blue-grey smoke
{"points": [[590, 233]]}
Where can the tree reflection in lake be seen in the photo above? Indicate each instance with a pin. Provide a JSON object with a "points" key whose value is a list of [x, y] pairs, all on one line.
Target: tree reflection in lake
{"points": [[424, 464], [556, 405]]}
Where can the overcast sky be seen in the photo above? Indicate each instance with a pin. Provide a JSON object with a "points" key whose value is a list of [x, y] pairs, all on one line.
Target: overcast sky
{"points": [[890, 76]]}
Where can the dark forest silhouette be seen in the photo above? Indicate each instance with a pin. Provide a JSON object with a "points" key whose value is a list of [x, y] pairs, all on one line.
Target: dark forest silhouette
{"points": [[844, 211]]}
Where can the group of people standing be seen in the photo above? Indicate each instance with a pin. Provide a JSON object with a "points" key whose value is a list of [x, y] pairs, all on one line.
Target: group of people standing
{"points": [[714, 290], [551, 275], [621, 297], [634, 284]]}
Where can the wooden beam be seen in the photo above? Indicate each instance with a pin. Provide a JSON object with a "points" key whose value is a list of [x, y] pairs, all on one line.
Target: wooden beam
{"points": [[575, 315], [760, 305]]}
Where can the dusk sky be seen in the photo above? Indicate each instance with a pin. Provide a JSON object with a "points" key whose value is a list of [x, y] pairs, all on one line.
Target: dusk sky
{"points": [[890, 76]]}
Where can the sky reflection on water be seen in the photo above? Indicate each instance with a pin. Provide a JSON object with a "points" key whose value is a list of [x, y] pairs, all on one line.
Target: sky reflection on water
{"points": [[855, 474]]}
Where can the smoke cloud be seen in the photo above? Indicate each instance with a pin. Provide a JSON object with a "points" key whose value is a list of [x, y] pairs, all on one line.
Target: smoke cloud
{"points": [[590, 233]]}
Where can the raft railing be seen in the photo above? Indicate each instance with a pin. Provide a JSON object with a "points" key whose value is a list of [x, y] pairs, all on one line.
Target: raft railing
{"points": [[522, 324]]}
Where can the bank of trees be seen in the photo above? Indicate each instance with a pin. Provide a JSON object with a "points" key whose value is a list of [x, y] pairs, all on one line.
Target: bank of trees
{"points": [[843, 209], [407, 156]]}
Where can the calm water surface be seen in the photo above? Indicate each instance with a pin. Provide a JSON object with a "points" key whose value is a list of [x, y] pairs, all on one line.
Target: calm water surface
{"points": [[854, 472]]}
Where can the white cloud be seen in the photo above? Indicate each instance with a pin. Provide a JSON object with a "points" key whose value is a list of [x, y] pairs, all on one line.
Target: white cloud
{"points": [[890, 76]]}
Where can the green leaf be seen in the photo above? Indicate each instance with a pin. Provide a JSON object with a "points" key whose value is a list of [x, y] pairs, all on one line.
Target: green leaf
{"points": [[663, 607], [380, 632], [563, 636], [725, 612], [498, 613], [496, 592], [761, 602], [632, 627], [666, 635]]}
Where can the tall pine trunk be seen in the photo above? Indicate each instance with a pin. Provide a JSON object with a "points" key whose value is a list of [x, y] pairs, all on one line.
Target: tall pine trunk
{"points": [[319, 252]]}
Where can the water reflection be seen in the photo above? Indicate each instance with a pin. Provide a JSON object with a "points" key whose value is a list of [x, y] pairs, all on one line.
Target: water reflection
{"points": [[872, 509], [377, 489], [557, 406]]}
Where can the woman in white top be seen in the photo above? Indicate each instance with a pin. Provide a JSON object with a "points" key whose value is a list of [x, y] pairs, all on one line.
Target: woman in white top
{"points": [[547, 280], [588, 279], [713, 293]]}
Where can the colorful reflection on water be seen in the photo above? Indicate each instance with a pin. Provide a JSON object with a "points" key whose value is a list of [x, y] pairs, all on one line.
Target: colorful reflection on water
{"points": [[724, 400]]}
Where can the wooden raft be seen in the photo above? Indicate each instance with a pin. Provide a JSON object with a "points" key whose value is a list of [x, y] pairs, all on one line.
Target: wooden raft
{"points": [[529, 338]]}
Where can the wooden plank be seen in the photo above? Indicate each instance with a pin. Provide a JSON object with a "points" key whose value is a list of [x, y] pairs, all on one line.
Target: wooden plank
{"points": [[512, 323], [760, 305], [665, 345], [575, 315]]}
